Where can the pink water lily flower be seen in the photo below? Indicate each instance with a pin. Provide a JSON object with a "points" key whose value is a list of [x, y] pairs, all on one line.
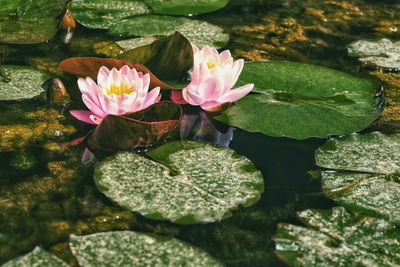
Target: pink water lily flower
{"points": [[213, 77], [117, 92]]}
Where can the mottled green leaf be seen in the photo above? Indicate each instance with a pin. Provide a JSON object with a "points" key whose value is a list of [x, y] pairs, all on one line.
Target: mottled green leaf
{"points": [[129, 44], [37, 258], [185, 7], [20, 82], [338, 238], [29, 22], [126, 248], [383, 53], [184, 182], [101, 14], [369, 181], [301, 101], [198, 32]]}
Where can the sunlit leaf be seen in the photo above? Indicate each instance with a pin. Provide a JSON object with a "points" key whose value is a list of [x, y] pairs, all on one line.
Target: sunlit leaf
{"points": [[185, 7], [37, 258]]}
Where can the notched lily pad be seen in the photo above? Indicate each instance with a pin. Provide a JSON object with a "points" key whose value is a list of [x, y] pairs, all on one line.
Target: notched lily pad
{"points": [[368, 180], [30, 22], [127, 248], [141, 129], [383, 53], [184, 182], [21, 82], [301, 101], [185, 7], [101, 14], [37, 258], [338, 238]]}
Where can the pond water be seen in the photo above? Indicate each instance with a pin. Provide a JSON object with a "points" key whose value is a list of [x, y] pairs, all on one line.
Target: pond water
{"points": [[47, 194]]}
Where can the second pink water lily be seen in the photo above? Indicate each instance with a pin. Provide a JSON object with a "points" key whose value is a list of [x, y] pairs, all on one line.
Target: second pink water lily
{"points": [[213, 77], [116, 92]]}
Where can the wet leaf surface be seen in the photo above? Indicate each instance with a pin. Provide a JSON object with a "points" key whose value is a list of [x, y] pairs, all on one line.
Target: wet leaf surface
{"points": [[301, 101], [182, 181], [338, 238], [37, 258], [185, 7]]}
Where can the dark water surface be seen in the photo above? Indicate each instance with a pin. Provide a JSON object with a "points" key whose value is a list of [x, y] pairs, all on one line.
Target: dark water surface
{"points": [[46, 193]]}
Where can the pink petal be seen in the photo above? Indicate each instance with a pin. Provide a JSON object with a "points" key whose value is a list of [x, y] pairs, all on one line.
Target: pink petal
{"points": [[92, 106], [195, 49], [234, 73], [103, 75], [82, 115], [209, 105], [177, 97], [152, 97], [124, 70], [192, 97], [212, 88], [225, 57], [235, 94]]}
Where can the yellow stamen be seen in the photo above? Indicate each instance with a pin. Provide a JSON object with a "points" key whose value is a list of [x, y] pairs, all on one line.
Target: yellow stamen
{"points": [[211, 65], [120, 89]]}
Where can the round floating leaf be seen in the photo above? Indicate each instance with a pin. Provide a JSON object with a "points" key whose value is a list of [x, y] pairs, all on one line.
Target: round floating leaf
{"points": [[383, 53], [133, 43], [185, 7], [301, 101], [184, 182], [200, 33], [20, 82], [338, 238], [101, 14], [37, 258], [373, 185], [127, 248], [29, 22]]}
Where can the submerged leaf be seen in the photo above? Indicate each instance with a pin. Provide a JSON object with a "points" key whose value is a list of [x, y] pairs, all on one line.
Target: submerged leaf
{"points": [[125, 248], [184, 182], [301, 101], [141, 129], [169, 58], [369, 181], [30, 22], [338, 238], [89, 67], [185, 7], [37, 258], [21, 82]]}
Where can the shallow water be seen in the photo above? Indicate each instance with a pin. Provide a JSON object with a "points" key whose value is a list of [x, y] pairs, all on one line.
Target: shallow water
{"points": [[46, 193]]}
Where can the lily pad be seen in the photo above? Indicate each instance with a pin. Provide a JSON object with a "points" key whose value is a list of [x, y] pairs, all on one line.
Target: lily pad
{"points": [[126, 248], [198, 32], [37, 258], [185, 7], [338, 238], [29, 22], [21, 82], [129, 44], [101, 14], [369, 180], [184, 182], [383, 53], [168, 58], [300, 101]]}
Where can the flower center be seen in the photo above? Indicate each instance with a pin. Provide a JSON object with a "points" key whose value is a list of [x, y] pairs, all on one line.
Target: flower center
{"points": [[211, 65], [120, 89]]}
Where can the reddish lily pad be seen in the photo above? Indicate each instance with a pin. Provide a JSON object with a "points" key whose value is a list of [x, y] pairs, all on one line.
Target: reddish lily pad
{"points": [[169, 58], [89, 67], [141, 129]]}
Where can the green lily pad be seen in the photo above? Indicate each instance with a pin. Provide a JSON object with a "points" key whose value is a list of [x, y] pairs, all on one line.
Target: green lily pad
{"points": [[184, 182], [20, 82], [369, 180], [37, 258], [127, 248], [301, 101], [129, 44], [185, 7], [204, 33], [101, 14], [338, 238], [29, 22], [383, 53]]}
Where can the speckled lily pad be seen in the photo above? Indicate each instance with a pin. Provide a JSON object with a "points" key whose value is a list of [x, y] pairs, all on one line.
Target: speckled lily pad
{"points": [[127, 248], [200, 33], [20, 82], [383, 53], [338, 238], [184, 182], [185, 7], [37, 258], [101, 14], [368, 180]]}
